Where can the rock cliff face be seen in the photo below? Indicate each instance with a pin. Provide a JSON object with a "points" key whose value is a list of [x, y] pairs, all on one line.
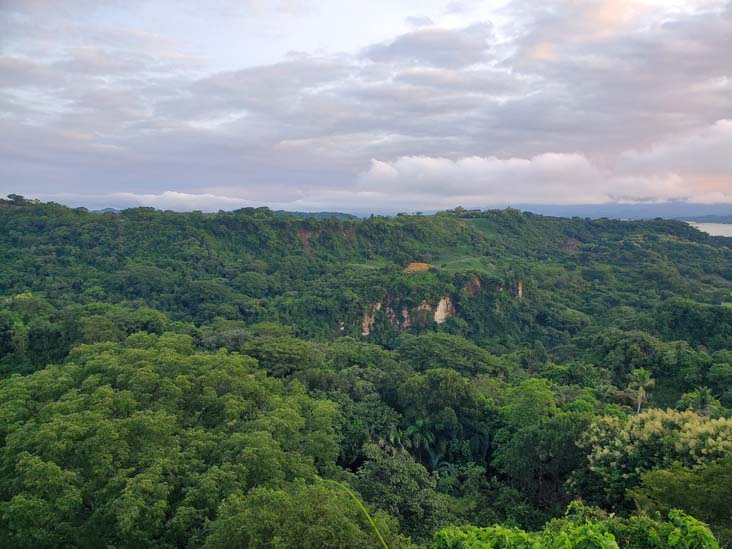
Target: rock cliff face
{"points": [[438, 311], [473, 286], [408, 317], [369, 318], [444, 309], [305, 237]]}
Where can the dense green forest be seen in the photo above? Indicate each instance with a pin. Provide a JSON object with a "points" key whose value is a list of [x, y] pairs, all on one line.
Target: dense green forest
{"points": [[262, 379]]}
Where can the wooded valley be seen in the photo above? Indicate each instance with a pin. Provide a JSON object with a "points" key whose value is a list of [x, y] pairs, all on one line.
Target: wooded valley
{"points": [[262, 379]]}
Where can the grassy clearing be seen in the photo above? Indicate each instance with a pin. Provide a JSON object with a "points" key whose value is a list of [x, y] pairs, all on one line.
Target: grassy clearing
{"points": [[371, 265], [484, 225]]}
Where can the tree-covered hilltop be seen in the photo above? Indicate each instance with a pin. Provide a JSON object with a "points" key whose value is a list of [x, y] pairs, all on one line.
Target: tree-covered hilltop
{"points": [[322, 275], [468, 379]]}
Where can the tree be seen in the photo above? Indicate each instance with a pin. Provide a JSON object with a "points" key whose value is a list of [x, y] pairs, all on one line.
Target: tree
{"points": [[283, 356], [640, 383], [438, 350], [392, 481], [622, 450], [700, 400], [540, 457], [419, 436], [299, 515], [442, 412], [156, 434], [528, 403], [705, 492]]}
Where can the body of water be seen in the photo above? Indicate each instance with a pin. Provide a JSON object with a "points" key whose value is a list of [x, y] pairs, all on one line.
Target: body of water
{"points": [[714, 229]]}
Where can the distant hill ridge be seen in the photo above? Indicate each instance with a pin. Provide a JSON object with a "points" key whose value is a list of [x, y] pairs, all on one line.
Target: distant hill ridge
{"points": [[712, 219], [510, 277], [681, 210]]}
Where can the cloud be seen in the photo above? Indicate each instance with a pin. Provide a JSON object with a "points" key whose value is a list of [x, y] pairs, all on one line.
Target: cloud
{"points": [[608, 100], [419, 21], [549, 178], [438, 47], [17, 72], [703, 153], [701, 158], [167, 200], [696, 167]]}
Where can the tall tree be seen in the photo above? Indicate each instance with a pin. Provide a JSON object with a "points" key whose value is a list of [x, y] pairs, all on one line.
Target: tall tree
{"points": [[640, 383]]}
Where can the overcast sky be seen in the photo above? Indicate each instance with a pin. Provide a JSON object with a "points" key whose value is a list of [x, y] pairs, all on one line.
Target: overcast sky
{"points": [[378, 105]]}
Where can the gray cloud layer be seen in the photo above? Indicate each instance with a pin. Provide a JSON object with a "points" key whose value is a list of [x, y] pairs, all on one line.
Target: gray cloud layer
{"points": [[608, 100]]}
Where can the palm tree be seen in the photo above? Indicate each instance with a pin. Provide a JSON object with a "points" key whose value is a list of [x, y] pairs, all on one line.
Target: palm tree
{"points": [[640, 382], [701, 400], [437, 458], [393, 437], [481, 440], [419, 436]]}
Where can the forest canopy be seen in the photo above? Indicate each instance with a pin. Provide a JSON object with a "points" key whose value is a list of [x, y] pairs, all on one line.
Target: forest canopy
{"points": [[264, 379]]}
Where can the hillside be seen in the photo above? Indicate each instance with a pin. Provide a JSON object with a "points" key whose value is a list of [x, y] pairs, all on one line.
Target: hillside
{"points": [[322, 276], [181, 373]]}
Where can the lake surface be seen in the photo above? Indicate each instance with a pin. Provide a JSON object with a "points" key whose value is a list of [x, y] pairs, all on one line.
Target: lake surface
{"points": [[714, 229]]}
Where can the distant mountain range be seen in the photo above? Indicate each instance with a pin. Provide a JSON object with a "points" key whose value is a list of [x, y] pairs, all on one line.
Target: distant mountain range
{"points": [[703, 213], [712, 219], [710, 213]]}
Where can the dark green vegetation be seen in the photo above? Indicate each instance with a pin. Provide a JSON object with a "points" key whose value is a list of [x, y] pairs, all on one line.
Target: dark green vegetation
{"points": [[252, 379]]}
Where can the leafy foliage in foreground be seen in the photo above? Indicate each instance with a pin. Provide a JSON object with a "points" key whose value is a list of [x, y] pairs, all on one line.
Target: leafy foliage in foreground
{"points": [[137, 442], [586, 529]]}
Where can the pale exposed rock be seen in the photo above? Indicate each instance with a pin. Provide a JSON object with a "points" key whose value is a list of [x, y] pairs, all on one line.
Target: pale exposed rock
{"points": [[444, 309], [369, 318], [407, 317], [391, 315]]}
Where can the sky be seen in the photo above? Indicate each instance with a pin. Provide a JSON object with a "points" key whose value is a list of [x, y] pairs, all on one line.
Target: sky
{"points": [[365, 106]]}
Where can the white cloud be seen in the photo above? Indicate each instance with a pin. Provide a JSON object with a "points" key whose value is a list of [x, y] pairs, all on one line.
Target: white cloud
{"points": [[615, 100], [704, 153], [167, 200], [549, 178], [695, 167]]}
